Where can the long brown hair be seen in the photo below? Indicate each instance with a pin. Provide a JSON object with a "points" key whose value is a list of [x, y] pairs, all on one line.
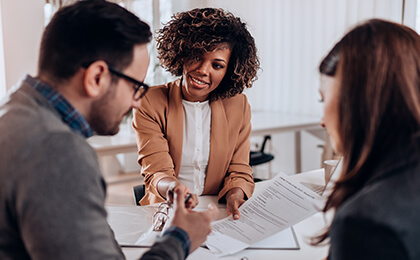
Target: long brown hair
{"points": [[377, 65]]}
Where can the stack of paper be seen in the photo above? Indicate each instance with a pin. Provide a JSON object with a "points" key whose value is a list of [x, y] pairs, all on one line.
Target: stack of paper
{"points": [[279, 205]]}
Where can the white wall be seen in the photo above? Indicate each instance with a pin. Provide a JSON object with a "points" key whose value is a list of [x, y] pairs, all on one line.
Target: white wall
{"points": [[2, 71], [22, 23]]}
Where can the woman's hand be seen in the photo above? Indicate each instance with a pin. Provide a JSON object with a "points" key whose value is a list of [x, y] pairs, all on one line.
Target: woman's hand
{"points": [[190, 201], [167, 186], [234, 199]]}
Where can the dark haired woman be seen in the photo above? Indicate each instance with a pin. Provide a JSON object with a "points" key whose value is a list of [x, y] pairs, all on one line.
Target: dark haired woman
{"points": [[370, 84], [194, 132]]}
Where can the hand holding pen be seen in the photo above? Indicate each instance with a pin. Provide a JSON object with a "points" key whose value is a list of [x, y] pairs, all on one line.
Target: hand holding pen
{"points": [[197, 224], [190, 200]]}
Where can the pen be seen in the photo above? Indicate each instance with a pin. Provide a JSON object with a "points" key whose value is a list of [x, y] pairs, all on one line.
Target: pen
{"points": [[187, 198]]}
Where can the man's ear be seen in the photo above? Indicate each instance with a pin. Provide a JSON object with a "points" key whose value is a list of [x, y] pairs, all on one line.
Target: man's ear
{"points": [[96, 79]]}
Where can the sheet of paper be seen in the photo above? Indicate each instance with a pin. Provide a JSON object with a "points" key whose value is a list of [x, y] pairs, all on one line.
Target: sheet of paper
{"points": [[283, 240], [132, 225], [280, 204]]}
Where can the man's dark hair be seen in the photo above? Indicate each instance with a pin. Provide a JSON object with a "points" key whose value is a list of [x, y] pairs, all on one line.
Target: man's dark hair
{"points": [[87, 31]]}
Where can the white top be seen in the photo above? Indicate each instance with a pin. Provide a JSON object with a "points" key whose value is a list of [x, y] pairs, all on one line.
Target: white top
{"points": [[196, 145]]}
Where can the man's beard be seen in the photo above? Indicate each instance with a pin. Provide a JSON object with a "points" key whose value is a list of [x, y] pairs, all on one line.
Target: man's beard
{"points": [[101, 119]]}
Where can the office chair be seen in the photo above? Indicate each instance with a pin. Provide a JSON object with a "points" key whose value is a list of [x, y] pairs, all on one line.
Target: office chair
{"points": [[260, 157], [139, 192]]}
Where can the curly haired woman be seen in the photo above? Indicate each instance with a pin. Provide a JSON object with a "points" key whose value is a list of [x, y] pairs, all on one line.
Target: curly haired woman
{"points": [[194, 132]]}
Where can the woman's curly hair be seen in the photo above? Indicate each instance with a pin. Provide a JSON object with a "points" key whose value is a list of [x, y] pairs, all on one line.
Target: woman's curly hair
{"points": [[191, 34]]}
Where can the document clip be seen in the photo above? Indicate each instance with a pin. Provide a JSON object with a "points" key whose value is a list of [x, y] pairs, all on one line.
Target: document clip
{"points": [[161, 216]]}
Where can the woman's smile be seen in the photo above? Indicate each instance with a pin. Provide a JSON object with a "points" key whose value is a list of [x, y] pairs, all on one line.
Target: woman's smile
{"points": [[198, 83], [203, 74]]}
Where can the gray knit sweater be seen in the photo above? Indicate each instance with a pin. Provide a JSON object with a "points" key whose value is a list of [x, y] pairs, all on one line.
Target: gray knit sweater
{"points": [[51, 190]]}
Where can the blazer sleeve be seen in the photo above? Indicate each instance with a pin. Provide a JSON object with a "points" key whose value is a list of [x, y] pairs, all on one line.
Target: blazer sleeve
{"points": [[353, 237], [239, 173], [153, 150]]}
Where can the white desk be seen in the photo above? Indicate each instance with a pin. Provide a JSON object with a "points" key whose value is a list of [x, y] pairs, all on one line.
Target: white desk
{"points": [[267, 123], [123, 142], [263, 123], [304, 230]]}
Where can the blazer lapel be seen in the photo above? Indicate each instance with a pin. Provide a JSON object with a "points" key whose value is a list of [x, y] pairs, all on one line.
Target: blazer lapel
{"points": [[216, 169], [175, 124]]}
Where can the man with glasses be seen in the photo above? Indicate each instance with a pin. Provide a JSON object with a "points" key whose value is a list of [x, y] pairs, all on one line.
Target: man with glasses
{"points": [[140, 88], [93, 60]]}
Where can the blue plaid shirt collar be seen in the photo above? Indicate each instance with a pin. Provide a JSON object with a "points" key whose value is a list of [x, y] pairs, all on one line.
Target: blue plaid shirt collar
{"points": [[68, 113]]}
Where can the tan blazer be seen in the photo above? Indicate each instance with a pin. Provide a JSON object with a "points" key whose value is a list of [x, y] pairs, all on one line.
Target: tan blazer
{"points": [[159, 132]]}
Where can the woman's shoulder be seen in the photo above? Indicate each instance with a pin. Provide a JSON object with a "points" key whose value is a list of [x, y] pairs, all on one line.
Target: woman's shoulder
{"points": [[236, 108], [163, 88], [161, 92], [237, 103], [239, 99], [383, 201]]}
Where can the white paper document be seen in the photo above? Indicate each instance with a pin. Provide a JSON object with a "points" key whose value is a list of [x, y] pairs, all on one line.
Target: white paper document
{"points": [[280, 204], [283, 240], [132, 225]]}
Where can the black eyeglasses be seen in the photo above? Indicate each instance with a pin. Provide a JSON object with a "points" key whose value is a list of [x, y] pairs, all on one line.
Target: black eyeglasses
{"points": [[140, 88]]}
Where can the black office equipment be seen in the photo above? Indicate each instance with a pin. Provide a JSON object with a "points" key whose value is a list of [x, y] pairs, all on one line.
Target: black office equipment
{"points": [[260, 157], [139, 192]]}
